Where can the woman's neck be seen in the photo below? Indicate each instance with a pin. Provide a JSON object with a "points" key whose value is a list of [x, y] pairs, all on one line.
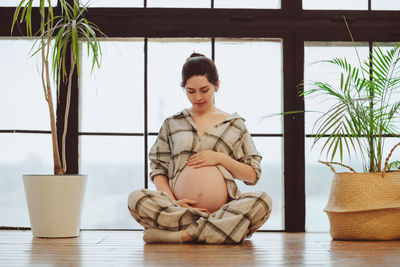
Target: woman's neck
{"points": [[208, 111]]}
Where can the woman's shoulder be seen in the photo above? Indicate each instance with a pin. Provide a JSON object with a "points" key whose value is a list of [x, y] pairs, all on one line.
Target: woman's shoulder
{"points": [[176, 116], [235, 117], [226, 116], [181, 114], [178, 119]]}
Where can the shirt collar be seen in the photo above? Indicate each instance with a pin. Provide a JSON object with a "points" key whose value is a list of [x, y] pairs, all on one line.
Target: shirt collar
{"points": [[186, 113]]}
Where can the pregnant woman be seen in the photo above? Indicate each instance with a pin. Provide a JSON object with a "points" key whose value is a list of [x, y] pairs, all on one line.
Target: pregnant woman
{"points": [[194, 162]]}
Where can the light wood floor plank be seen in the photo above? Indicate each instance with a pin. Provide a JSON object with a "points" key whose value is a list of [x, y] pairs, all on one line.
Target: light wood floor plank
{"points": [[126, 248]]}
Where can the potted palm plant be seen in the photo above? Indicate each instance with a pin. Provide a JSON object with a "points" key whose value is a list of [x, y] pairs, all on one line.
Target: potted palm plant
{"points": [[55, 201], [366, 107]]}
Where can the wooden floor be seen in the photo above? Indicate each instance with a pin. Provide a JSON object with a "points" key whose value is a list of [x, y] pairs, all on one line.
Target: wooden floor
{"points": [[126, 248]]}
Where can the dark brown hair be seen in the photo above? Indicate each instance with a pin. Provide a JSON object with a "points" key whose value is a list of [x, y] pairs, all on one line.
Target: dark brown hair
{"points": [[199, 65]]}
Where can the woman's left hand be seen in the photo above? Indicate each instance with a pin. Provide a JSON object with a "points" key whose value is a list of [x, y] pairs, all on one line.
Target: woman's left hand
{"points": [[204, 158]]}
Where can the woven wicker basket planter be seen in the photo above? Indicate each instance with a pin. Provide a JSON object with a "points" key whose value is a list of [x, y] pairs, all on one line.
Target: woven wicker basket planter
{"points": [[365, 206]]}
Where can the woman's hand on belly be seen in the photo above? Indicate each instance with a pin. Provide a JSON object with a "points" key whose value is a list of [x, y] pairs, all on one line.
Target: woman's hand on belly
{"points": [[206, 186], [187, 203], [204, 158]]}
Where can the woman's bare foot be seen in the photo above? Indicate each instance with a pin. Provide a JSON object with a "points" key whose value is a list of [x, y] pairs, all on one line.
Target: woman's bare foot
{"points": [[186, 237]]}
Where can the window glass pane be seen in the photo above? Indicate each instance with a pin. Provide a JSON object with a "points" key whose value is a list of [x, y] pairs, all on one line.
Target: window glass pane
{"points": [[165, 60], [338, 4], [113, 96], [385, 5], [318, 184], [113, 3], [17, 2], [21, 154], [316, 70], [21, 94], [247, 4], [115, 167], [179, 3], [251, 81], [271, 180]]}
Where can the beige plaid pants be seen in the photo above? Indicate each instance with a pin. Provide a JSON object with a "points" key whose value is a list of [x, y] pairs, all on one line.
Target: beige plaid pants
{"points": [[232, 223]]}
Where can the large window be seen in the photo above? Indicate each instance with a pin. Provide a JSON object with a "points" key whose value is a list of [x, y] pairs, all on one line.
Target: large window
{"points": [[263, 49]]}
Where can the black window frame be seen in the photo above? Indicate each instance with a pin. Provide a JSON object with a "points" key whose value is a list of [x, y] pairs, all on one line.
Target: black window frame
{"points": [[293, 25]]}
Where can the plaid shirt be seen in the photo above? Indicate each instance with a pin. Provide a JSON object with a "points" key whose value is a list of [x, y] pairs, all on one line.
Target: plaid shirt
{"points": [[178, 140]]}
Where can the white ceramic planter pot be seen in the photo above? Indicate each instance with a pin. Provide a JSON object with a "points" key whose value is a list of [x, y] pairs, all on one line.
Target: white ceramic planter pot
{"points": [[55, 203]]}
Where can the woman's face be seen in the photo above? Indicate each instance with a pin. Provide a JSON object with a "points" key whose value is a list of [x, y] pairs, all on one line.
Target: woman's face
{"points": [[200, 93]]}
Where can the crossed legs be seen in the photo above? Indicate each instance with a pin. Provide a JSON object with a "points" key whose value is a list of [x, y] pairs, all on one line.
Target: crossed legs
{"points": [[165, 221]]}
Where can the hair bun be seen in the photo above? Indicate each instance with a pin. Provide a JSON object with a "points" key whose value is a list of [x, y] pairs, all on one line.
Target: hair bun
{"points": [[194, 54]]}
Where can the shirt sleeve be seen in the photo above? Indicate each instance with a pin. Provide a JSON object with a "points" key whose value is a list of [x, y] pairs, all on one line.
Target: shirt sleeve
{"points": [[245, 151], [160, 153]]}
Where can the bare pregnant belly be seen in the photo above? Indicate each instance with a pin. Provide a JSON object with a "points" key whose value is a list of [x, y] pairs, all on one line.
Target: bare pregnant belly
{"points": [[206, 185]]}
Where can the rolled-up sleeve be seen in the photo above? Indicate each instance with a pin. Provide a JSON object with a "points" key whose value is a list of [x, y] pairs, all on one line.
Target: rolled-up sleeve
{"points": [[160, 153], [245, 151]]}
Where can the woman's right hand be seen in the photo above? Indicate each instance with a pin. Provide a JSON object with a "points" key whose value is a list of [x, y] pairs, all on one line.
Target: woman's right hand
{"points": [[188, 203]]}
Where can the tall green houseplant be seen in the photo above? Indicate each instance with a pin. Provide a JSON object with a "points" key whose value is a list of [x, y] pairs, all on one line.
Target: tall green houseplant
{"points": [[58, 40]]}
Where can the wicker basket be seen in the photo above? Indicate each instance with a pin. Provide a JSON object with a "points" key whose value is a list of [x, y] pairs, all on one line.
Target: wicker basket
{"points": [[365, 206]]}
